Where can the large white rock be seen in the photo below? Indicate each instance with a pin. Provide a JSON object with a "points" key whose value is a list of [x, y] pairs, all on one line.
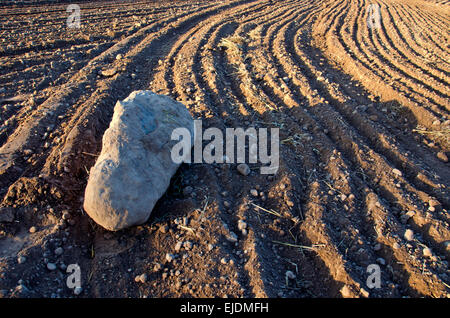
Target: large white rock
{"points": [[134, 167]]}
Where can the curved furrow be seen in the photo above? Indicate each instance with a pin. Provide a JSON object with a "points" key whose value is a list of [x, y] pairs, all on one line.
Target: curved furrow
{"points": [[372, 62], [428, 51], [352, 151], [424, 34], [438, 25], [394, 60], [207, 40], [297, 130], [406, 51], [377, 50], [378, 138], [279, 46], [360, 63], [378, 173], [61, 159], [314, 210]]}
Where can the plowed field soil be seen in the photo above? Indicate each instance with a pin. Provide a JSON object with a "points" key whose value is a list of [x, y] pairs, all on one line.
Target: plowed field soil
{"points": [[363, 113]]}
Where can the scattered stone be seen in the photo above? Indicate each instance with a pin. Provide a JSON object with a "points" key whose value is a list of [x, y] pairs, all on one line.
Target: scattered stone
{"points": [[377, 247], [51, 266], [254, 192], [164, 228], [447, 246], [442, 156], [141, 278], [396, 246], [21, 259], [406, 216], [77, 291], [137, 145], [210, 247], [373, 117], [21, 291], [242, 225], [346, 292], [243, 169], [178, 246], [427, 252], [365, 293], [32, 229], [397, 172], [232, 237], [381, 261], [435, 204], [157, 267], [66, 215], [188, 245], [119, 56], [59, 251], [223, 260], [226, 204], [170, 257], [109, 72], [409, 235]]}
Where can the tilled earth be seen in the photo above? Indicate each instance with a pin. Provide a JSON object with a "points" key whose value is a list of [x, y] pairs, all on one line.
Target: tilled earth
{"points": [[364, 127]]}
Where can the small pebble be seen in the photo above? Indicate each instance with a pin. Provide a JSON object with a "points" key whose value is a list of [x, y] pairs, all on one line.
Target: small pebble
{"points": [[243, 169], [59, 251], [427, 252], [178, 246], [254, 192], [188, 245], [164, 228], [77, 291], [51, 266], [242, 225], [170, 257], [442, 156], [33, 229], [141, 278], [397, 172], [409, 235]]}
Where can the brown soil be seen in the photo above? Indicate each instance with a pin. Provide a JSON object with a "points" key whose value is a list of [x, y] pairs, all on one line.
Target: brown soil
{"points": [[364, 123]]}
